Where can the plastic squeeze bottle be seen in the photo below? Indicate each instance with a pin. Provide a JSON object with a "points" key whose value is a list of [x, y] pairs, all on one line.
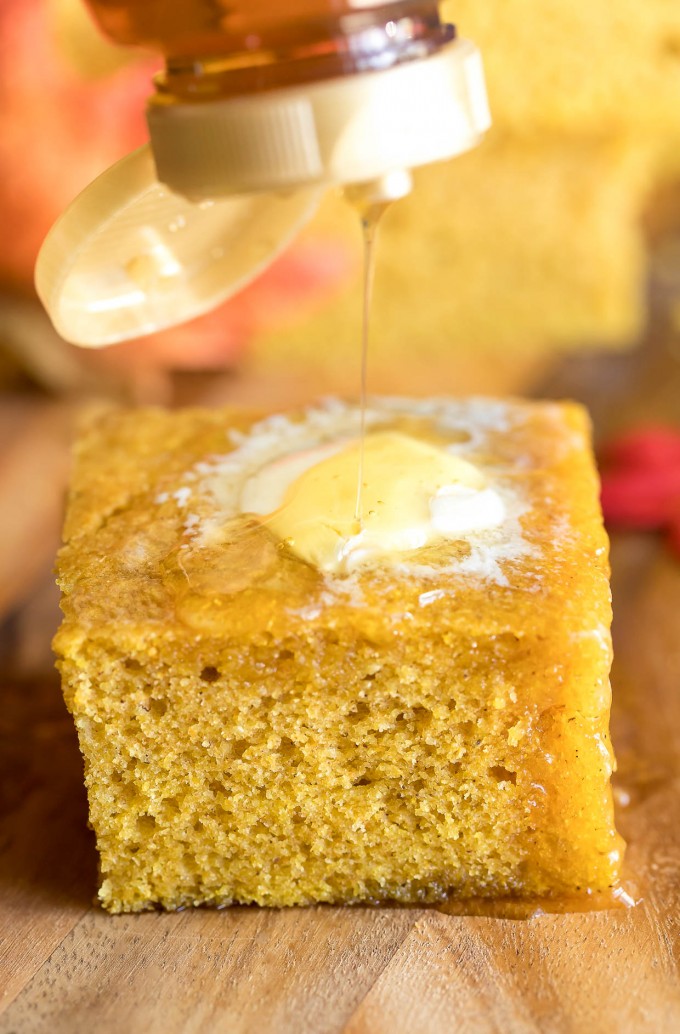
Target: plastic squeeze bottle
{"points": [[261, 107]]}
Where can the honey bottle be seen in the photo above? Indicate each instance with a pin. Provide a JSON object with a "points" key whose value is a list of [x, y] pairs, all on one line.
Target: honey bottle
{"points": [[261, 107]]}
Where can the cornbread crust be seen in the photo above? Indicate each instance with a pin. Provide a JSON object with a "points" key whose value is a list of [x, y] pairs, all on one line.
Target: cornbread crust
{"points": [[256, 732]]}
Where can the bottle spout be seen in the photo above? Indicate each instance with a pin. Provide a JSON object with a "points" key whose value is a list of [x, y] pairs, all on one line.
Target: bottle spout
{"points": [[391, 186]]}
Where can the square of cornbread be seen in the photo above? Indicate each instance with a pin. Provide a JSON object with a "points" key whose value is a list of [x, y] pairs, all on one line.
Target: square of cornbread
{"points": [[257, 730]]}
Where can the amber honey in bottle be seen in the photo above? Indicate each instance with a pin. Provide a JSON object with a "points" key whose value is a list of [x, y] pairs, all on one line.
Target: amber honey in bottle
{"points": [[223, 48]]}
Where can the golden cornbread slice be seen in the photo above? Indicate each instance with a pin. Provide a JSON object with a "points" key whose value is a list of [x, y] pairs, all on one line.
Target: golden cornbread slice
{"points": [[255, 730]]}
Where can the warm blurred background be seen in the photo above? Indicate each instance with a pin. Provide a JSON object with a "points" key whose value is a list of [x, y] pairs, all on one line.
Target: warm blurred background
{"points": [[537, 243]]}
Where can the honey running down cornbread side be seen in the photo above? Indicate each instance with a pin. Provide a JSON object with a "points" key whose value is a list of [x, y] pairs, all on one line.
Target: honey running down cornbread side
{"points": [[256, 729]]}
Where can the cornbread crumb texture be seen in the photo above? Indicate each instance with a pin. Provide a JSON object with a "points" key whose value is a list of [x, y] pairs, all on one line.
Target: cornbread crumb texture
{"points": [[254, 731]]}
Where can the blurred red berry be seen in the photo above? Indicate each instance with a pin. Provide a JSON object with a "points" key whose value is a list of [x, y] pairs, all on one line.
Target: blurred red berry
{"points": [[654, 446], [641, 481]]}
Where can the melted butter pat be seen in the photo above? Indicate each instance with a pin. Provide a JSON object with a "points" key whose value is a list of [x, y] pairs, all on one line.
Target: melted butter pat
{"points": [[414, 493]]}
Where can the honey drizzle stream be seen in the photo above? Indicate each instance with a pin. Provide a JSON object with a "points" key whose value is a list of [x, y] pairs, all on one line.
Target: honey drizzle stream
{"points": [[370, 218]]}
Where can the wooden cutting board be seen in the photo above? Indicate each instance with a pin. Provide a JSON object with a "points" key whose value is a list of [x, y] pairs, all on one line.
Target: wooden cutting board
{"points": [[67, 968]]}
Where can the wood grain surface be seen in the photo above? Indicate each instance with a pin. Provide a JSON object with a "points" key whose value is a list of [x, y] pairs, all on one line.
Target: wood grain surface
{"points": [[67, 968]]}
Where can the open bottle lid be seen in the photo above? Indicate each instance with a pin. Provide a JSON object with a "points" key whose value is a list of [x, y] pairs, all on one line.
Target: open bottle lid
{"points": [[129, 257], [133, 255]]}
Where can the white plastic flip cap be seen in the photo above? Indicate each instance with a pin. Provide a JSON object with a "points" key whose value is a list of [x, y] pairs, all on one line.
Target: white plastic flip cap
{"points": [[133, 255], [129, 257]]}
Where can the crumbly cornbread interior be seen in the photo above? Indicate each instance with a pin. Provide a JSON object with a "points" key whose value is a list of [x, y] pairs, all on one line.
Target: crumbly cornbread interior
{"points": [[255, 731]]}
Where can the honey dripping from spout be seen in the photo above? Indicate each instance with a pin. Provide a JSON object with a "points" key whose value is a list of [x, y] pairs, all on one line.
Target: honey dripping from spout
{"points": [[370, 220], [371, 202]]}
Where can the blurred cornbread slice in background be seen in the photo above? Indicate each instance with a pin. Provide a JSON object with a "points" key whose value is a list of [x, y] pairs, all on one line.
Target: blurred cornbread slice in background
{"points": [[508, 247], [585, 67], [519, 243], [535, 241]]}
